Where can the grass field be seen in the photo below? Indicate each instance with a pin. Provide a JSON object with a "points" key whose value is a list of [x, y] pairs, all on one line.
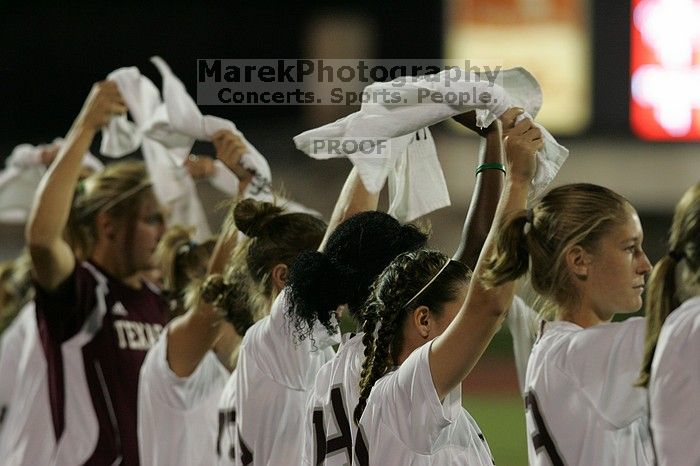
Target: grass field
{"points": [[502, 420]]}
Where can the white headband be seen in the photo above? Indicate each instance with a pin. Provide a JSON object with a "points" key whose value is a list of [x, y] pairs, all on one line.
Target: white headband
{"points": [[121, 197], [429, 283]]}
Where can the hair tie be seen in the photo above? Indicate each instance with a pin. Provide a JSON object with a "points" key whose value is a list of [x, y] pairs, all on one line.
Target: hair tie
{"points": [[676, 255], [530, 216], [186, 248]]}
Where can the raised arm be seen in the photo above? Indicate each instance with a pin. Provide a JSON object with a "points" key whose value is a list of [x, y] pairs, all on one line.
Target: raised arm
{"points": [[52, 257], [487, 189], [353, 199], [193, 334], [454, 353]]}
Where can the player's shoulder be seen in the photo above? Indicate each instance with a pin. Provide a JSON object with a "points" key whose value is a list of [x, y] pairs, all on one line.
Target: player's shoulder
{"points": [[685, 315], [682, 326]]}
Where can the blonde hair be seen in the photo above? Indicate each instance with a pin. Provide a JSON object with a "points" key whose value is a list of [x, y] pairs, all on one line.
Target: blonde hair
{"points": [[119, 189], [570, 215], [182, 261], [676, 277], [15, 288]]}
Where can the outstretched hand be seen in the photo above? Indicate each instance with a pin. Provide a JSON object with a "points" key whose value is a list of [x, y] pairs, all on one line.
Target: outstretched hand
{"points": [[103, 102], [229, 149], [521, 143], [468, 120]]}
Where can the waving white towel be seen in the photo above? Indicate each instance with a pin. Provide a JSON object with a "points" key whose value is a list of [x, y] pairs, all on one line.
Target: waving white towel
{"points": [[163, 148], [185, 117], [21, 176], [418, 110]]}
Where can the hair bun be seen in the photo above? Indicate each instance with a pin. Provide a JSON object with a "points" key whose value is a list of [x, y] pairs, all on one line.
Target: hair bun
{"points": [[213, 287], [251, 216]]}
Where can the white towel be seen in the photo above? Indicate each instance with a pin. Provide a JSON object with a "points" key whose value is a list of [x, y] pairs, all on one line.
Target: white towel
{"points": [[163, 148], [185, 117], [20, 178], [379, 120]]}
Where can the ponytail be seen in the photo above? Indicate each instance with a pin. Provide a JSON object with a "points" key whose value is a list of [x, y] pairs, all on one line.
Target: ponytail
{"points": [[511, 258], [660, 302]]}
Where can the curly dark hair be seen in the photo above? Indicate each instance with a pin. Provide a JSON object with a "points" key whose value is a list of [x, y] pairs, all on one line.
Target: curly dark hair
{"points": [[357, 251]]}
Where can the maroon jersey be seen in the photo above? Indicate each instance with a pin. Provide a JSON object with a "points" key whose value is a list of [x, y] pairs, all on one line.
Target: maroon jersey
{"points": [[95, 331]]}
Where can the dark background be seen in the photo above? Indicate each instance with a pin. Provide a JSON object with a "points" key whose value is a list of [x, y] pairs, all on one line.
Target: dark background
{"points": [[52, 54]]}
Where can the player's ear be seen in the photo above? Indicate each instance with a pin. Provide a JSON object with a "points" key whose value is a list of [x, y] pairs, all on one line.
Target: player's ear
{"points": [[421, 320], [106, 226], [578, 261], [279, 276]]}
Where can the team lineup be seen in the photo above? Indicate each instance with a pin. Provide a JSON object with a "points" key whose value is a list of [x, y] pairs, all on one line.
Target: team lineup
{"points": [[130, 333]]}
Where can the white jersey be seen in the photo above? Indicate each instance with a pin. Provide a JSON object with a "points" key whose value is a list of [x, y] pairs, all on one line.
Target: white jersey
{"points": [[273, 375], [26, 433], [674, 388], [522, 323], [177, 419], [406, 424], [582, 405], [329, 426]]}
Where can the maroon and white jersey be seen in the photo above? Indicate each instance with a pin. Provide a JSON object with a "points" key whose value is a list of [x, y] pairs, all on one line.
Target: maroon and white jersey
{"points": [[95, 331]]}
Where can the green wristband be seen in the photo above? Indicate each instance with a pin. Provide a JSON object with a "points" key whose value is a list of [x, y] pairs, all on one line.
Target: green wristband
{"points": [[490, 166]]}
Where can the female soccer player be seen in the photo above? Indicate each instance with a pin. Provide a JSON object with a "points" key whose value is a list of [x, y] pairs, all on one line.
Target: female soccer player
{"points": [[583, 245], [97, 318], [673, 339], [422, 339], [329, 430], [185, 373]]}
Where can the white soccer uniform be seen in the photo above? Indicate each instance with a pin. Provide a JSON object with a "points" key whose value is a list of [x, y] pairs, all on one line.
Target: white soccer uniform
{"points": [[272, 378], [674, 388], [332, 401], [329, 427], [582, 405], [177, 416], [26, 432], [406, 424], [522, 323]]}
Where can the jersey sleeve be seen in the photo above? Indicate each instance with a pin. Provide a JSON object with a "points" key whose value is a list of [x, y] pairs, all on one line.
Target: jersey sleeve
{"points": [[604, 361], [62, 312], [522, 324], [280, 355], [410, 404], [179, 393]]}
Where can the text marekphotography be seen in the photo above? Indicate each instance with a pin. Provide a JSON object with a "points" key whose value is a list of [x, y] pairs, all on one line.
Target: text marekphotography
{"points": [[337, 82]]}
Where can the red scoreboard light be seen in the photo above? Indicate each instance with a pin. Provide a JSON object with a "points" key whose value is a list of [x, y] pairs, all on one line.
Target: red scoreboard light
{"points": [[665, 74]]}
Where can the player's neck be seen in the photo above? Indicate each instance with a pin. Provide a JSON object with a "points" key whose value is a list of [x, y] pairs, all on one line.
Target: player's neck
{"points": [[116, 266], [583, 316]]}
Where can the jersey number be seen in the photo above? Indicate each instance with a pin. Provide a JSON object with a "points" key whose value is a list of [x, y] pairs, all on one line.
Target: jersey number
{"points": [[541, 439], [343, 440], [227, 420]]}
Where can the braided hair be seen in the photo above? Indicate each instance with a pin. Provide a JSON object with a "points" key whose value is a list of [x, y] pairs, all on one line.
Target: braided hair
{"points": [[395, 294]]}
